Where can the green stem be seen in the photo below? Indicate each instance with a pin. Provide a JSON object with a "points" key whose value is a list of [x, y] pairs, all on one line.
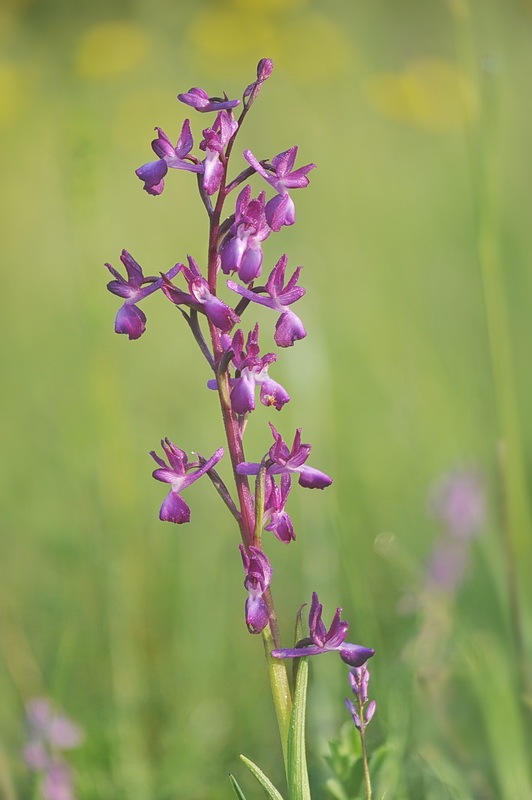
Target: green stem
{"points": [[516, 527], [365, 765], [362, 732], [280, 688], [251, 514]]}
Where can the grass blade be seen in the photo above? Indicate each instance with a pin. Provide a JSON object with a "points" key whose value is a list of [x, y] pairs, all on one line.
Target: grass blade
{"points": [[265, 782]]}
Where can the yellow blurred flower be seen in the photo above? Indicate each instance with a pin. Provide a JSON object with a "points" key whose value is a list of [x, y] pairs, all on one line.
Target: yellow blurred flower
{"points": [[230, 37], [267, 5], [314, 48], [309, 46], [13, 86], [110, 49], [432, 94]]}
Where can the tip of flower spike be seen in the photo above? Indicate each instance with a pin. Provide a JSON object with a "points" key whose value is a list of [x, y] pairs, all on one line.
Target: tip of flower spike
{"points": [[264, 69]]}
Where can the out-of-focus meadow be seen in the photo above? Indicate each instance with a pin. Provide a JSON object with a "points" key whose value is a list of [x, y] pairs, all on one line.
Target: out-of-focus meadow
{"points": [[415, 238]]}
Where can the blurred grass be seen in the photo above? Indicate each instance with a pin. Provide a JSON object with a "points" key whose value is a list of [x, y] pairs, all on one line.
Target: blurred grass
{"points": [[135, 627]]}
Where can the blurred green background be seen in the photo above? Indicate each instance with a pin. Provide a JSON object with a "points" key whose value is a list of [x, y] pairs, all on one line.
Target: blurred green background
{"points": [[418, 115]]}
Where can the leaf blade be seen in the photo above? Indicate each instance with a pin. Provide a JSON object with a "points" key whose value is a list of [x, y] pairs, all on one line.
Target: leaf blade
{"points": [[238, 791], [298, 783], [265, 782]]}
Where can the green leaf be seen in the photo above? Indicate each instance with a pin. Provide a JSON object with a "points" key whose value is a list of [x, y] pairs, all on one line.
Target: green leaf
{"points": [[298, 627], [265, 782], [238, 791], [298, 785], [298, 635], [335, 790]]}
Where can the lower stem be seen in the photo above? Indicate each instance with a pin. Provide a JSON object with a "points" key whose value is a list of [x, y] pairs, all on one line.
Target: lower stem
{"points": [[280, 689], [365, 765]]}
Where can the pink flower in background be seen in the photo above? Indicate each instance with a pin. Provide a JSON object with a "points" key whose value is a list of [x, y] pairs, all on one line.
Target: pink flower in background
{"points": [[458, 502], [50, 732]]}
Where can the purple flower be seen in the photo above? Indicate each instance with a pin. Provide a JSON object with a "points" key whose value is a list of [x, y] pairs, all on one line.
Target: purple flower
{"points": [[280, 210], [48, 731], [258, 578], [200, 297], [214, 143], [58, 783], [288, 328], [458, 501], [278, 521], [179, 475], [241, 250], [286, 461], [359, 680], [322, 640], [153, 172], [252, 371], [447, 565], [200, 100], [130, 319]]}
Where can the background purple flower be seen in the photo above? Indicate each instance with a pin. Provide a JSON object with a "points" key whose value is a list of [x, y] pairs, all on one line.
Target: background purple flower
{"points": [[458, 501], [50, 733], [361, 713]]}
